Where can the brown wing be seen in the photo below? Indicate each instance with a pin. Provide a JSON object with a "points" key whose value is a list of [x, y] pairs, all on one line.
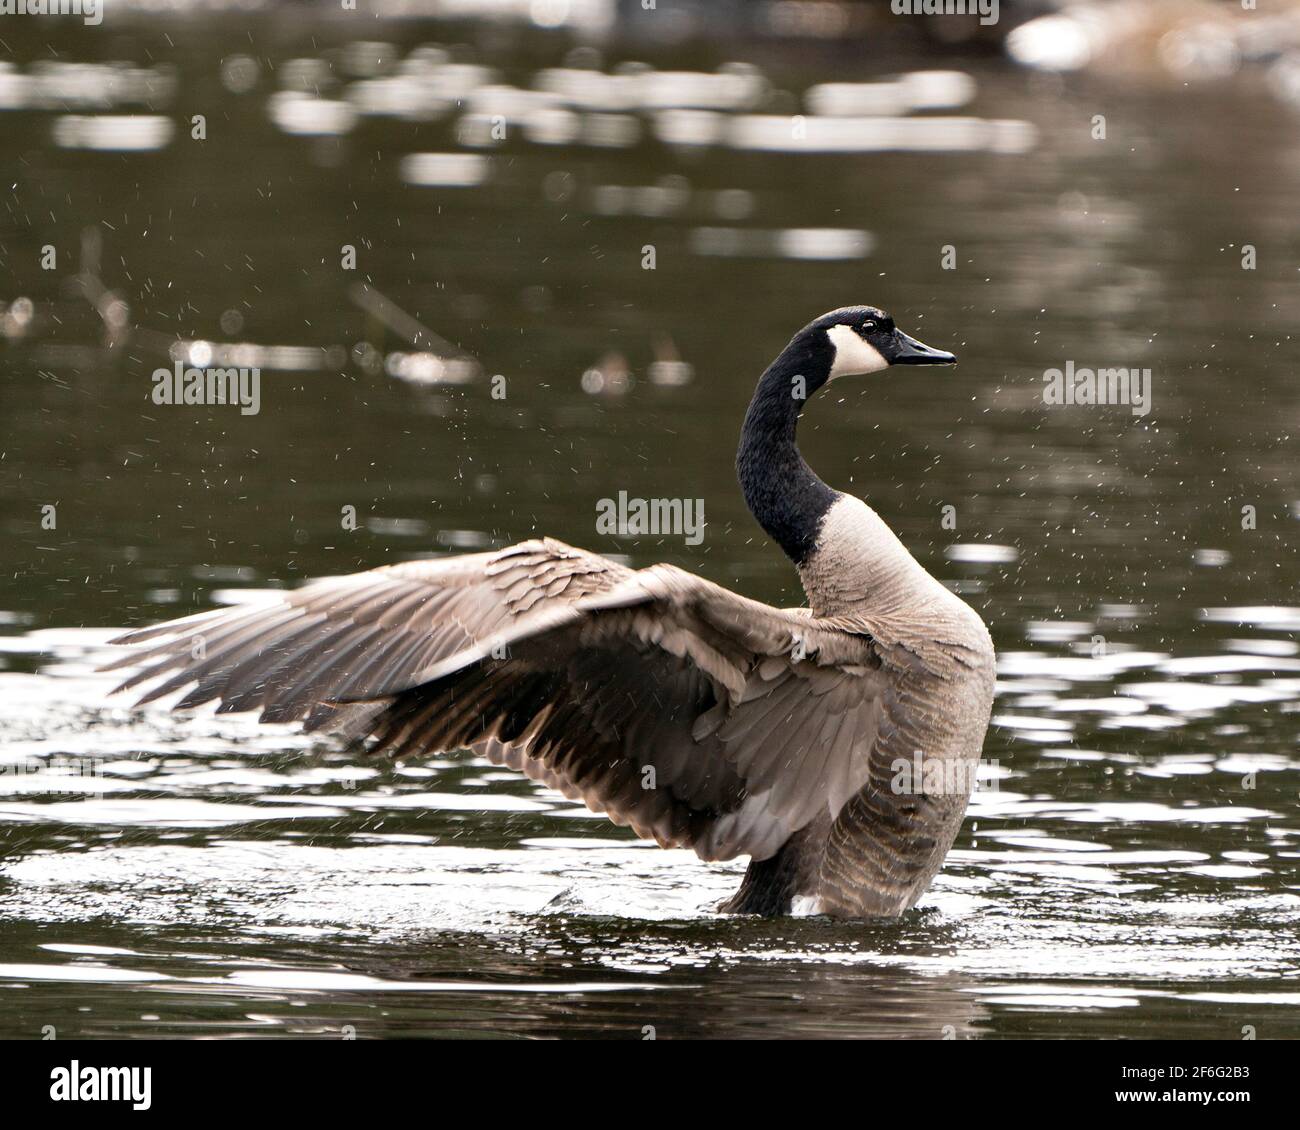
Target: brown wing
{"points": [[356, 637], [696, 716]]}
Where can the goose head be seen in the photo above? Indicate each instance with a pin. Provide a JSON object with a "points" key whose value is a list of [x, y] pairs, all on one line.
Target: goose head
{"points": [[864, 339], [782, 492]]}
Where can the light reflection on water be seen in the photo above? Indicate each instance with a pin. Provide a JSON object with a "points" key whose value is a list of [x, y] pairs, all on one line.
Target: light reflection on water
{"points": [[1133, 871], [210, 863]]}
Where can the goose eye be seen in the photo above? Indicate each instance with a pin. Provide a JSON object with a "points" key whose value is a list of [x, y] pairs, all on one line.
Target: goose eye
{"points": [[868, 325]]}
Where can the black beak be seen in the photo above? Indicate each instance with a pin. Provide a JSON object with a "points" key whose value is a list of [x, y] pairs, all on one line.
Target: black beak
{"points": [[908, 351]]}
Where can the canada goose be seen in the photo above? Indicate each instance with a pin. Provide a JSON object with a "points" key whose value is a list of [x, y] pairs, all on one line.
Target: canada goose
{"points": [[698, 717]]}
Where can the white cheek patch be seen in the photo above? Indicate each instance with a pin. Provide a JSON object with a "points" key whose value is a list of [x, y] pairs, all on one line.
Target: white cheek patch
{"points": [[853, 355]]}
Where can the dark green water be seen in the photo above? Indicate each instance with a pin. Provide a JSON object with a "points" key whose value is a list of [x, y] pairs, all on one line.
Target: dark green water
{"points": [[1134, 872]]}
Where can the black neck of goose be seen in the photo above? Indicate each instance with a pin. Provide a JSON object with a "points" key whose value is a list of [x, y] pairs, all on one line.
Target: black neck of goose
{"points": [[781, 490]]}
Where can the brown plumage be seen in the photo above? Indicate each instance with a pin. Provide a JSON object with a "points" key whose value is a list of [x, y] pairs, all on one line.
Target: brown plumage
{"points": [[695, 716]]}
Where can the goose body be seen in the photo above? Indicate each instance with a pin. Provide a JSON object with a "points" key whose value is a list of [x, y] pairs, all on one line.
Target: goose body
{"points": [[803, 738]]}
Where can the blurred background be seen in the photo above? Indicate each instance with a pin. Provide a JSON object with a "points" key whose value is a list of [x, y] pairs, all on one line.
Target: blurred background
{"points": [[625, 212]]}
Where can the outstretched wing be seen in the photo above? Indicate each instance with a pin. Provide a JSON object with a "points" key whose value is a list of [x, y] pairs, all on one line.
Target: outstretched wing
{"points": [[355, 637], [693, 715]]}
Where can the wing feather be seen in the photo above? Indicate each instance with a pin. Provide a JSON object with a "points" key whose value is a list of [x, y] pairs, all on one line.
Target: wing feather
{"points": [[694, 715]]}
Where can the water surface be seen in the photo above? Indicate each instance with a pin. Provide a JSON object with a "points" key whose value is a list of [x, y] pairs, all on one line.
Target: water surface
{"points": [[1130, 869]]}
